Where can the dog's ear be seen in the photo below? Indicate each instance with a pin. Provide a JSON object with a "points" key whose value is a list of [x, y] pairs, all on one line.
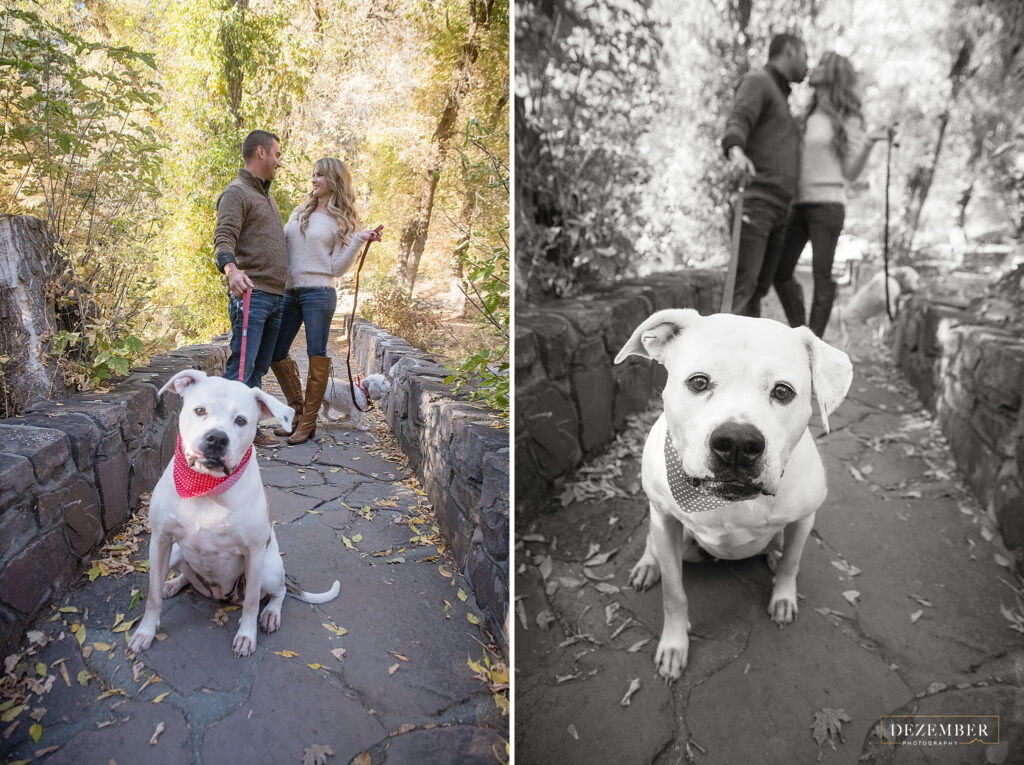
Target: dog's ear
{"points": [[831, 374], [182, 380], [656, 332], [272, 407]]}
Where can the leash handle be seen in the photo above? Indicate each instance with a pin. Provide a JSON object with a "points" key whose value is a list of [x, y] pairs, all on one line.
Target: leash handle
{"points": [[245, 332], [355, 302]]}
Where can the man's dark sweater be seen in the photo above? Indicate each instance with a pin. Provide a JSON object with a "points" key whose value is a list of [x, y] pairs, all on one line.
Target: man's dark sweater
{"points": [[761, 124], [250, 234]]}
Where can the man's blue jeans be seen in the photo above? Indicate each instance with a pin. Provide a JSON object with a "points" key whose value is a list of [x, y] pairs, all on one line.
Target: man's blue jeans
{"points": [[264, 322], [312, 306]]}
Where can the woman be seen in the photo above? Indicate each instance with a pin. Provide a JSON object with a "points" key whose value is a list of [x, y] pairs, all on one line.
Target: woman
{"points": [[835, 151], [322, 245]]}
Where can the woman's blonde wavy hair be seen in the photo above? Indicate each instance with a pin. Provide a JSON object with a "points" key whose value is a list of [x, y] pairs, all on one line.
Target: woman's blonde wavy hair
{"points": [[341, 202], [842, 100]]}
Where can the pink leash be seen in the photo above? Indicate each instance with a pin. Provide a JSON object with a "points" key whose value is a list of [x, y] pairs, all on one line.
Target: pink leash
{"points": [[245, 331]]}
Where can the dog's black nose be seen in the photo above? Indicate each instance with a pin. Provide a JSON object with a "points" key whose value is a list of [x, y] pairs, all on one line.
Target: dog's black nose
{"points": [[737, 445], [215, 443]]}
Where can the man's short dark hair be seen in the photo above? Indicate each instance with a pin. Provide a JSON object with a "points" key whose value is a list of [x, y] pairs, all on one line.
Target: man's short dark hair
{"points": [[780, 41], [257, 138]]}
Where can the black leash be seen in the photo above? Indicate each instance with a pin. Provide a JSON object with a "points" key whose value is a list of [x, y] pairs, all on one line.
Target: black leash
{"points": [[890, 135]]}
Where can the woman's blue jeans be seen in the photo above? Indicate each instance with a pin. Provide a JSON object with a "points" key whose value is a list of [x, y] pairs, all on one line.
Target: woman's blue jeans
{"points": [[312, 306]]}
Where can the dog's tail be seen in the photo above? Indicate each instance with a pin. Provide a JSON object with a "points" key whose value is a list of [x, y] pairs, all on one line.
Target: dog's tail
{"points": [[315, 597]]}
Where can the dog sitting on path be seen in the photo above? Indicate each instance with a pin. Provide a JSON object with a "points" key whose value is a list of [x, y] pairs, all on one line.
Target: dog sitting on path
{"points": [[209, 514], [731, 467], [338, 399]]}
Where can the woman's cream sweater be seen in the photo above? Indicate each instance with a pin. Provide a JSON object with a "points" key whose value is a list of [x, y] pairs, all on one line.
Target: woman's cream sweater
{"points": [[824, 175], [319, 256]]}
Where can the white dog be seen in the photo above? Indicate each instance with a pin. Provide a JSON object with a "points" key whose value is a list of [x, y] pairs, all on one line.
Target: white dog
{"points": [[209, 514], [868, 302], [730, 466], [338, 399]]}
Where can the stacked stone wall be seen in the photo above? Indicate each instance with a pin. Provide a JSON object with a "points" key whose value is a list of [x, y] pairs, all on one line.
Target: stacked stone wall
{"points": [[970, 373], [460, 451]]}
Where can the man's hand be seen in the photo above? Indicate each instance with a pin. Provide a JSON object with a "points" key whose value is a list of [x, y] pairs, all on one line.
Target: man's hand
{"points": [[238, 282], [741, 169]]}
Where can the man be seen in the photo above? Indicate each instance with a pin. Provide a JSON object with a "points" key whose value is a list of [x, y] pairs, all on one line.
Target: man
{"points": [[762, 142], [251, 251]]}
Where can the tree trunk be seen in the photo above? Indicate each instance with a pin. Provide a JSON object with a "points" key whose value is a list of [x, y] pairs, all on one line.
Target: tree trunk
{"points": [[456, 280], [414, 233], [27, 265], [233, 74], [921, 178]]}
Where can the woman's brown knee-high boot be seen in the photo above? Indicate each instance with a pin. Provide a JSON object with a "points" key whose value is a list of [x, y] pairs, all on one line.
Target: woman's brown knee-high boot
{"points": [[287, 373], [316, 386]]}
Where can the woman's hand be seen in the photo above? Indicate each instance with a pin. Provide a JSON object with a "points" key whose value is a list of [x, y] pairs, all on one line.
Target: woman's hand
{"points": [[372, 234], [882, 133]]}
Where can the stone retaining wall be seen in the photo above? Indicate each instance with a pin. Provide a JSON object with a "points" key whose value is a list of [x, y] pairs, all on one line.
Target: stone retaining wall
{"points": [[970, 373], [461, 458], [570, 399], [71, 472]]}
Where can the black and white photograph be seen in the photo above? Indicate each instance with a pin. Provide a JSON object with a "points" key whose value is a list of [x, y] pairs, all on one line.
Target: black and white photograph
{"points": [[768, 373]]}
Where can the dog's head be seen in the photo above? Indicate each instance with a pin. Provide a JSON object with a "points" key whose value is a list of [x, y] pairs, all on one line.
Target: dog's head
{"points": [[377, 386], [908, 278], [739, 393], [219, 417]]}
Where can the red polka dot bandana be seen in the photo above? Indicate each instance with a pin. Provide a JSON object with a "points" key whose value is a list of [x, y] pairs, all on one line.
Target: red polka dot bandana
{"points": [[191, 483]]}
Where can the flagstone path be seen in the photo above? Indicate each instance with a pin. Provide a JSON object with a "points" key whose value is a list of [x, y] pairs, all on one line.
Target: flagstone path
{"points": [[379, 675]]}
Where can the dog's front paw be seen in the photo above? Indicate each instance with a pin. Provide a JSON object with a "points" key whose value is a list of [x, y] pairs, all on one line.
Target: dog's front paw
{"points": [[782, 607], [141, 640], [270, 620], [672, 655], [645, 573], [244, 643]]}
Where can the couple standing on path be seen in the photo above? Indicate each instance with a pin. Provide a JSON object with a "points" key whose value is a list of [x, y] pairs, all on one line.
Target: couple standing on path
{"points": [[290, 272], [795, 174]]}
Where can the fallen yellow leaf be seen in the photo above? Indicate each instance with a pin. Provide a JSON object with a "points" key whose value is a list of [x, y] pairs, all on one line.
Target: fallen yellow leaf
{"points": [[286, 654], [36, 732], [392, 669], [161, 697], [398, 655], [314, 665], [102, 646], [11, 713], [125, 626], [472, 619], [462, 595]]}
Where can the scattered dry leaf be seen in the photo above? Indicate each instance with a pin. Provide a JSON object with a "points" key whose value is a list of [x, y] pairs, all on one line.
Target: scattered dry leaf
{"points": [[156, 734], [634, 686]]}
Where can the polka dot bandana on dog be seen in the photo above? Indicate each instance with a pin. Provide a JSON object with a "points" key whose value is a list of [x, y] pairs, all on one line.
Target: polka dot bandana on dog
{"points": [[191, 483], [689, 499]]}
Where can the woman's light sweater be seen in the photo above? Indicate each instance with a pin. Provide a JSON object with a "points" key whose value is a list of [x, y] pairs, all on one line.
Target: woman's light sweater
{"points": [[319, 256], [823, 175]]}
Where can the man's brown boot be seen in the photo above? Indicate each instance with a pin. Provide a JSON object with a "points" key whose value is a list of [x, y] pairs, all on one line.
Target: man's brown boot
{"points": [[287, 373], [316, 386]]}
